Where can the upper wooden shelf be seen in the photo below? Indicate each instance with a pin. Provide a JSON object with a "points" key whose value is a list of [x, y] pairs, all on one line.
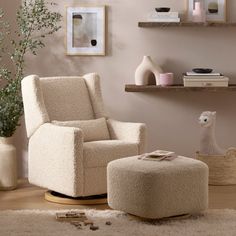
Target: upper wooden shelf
{"points": [[154, 88], [148, 24]]}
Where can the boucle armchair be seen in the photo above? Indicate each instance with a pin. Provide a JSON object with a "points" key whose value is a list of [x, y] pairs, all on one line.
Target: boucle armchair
{"points": [[71, 140]]}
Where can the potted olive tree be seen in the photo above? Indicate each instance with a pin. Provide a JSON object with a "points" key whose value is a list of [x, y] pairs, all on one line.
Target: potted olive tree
{"points": [[35, 21]]}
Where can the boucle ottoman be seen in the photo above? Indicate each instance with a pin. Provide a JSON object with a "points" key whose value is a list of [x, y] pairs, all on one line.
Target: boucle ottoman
{"points": [[157, 189]]}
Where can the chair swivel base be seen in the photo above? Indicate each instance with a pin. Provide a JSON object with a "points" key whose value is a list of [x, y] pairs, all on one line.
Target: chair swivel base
{"points": [[55, 197]]}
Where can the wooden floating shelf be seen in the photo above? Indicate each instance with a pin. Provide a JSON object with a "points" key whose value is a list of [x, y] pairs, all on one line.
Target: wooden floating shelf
{"points": [[148, 24], [177, 87]]}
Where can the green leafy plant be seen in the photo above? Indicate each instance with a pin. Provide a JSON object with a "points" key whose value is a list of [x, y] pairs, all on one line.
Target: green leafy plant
{"points": [[35, 22]]}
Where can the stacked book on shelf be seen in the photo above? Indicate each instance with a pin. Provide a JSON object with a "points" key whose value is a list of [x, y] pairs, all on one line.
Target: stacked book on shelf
{"points": [[164, 17], [192, 79]]}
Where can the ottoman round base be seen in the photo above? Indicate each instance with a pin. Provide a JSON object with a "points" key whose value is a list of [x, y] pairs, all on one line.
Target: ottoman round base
{"points": [[158, 189]]}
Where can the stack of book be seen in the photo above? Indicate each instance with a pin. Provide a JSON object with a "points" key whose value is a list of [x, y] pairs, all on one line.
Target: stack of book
{"points": [[164, 17], [192, 79]]}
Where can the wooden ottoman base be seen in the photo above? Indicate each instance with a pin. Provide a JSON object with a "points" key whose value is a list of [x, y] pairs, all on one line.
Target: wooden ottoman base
{"points": [[66, 200]]}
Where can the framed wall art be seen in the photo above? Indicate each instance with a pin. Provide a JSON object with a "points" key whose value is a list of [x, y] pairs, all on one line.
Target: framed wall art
{"points": [[86, 31], [215, 10]]}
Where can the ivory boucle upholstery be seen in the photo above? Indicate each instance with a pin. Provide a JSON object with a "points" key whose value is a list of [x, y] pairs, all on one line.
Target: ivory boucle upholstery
{"points": [[93, 130], [61, 158], [154, 189]]}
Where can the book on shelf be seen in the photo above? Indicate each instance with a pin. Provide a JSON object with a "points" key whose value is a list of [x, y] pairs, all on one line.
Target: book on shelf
{"points": [[197, 74], [204, 77], [164, 20], [206, 82], [192, 75], [163, 17], [164, 14]]}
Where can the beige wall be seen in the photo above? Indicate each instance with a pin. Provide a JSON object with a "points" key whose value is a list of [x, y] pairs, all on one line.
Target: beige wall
{"points": [[171, 117]]}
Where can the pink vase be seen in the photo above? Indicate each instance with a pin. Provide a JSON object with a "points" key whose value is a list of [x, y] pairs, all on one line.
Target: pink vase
{"points": [[199, 14]]}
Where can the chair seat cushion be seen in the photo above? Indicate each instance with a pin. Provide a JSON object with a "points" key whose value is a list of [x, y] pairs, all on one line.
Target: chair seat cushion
{"points": [[100, 153], [93, 130]]}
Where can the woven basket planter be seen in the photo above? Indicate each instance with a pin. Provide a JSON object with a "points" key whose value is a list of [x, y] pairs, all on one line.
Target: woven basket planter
{"points": [[222, 169]]}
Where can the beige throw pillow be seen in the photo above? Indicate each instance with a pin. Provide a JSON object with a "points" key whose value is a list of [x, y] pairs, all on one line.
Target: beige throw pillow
{"points": [[93, 130]]}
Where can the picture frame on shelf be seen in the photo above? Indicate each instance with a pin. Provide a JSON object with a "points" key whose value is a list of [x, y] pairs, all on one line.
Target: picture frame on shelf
{"points": [[85, 35], [215, 10]]}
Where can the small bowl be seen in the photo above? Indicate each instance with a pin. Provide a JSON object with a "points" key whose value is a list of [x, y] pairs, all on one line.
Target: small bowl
{"points": [[213, 11], [202, 70], [163, 9]]}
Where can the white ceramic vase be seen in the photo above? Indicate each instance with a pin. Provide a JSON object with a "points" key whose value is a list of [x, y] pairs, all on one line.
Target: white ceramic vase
{"points": [[145, 69], [199, 13], [8, 164]]}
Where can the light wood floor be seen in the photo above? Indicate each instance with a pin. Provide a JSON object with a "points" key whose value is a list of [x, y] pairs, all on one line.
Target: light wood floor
{"points": [[27, 196]]}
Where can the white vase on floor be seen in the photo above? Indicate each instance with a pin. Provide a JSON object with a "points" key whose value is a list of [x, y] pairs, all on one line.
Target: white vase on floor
{"points": [[145, 69], [8, 164]]}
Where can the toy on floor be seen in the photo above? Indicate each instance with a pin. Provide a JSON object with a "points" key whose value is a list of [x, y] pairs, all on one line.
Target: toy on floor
{"points": [[208, 144], [78, 219], [221, 163]]}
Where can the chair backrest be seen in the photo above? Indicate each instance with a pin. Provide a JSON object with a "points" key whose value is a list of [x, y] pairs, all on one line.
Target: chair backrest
{"points": [[61, 98]]}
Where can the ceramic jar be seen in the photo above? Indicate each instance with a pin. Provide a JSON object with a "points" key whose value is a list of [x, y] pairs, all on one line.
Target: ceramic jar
{"points": [[145, 69], [199, 13], [166, 79], [8, 164]]}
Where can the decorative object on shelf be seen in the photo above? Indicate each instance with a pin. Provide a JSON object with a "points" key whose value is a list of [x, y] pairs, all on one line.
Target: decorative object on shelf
{"points": [[145, 69], [162, 9], [86, 31], [202, 70], [32, 17], [215, 10], [208, 144], [8, 164], [199, 12], [166, 79], [221, 163], [163, 16]]}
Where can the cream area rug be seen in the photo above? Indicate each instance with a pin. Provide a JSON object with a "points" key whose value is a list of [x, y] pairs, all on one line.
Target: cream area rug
{"points": [[34, 222]]}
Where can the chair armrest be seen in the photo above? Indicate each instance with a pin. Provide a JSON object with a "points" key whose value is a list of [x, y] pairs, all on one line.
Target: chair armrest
{"points": [[131, 132], [56, 159]]}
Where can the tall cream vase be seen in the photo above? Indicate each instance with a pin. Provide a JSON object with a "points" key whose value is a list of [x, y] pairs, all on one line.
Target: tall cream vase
{"points": [[8, 164], [144, 70]]}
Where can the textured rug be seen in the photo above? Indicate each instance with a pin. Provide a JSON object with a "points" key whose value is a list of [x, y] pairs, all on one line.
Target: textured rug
{"points": [[34, 222]]}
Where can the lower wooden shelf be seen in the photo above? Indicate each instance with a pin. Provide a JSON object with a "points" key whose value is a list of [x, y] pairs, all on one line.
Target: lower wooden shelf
{"points": [[177, 87]]}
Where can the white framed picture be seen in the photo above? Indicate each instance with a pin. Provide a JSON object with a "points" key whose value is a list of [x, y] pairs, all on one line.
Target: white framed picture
{"points": [[86, 31], [215, 10]]}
